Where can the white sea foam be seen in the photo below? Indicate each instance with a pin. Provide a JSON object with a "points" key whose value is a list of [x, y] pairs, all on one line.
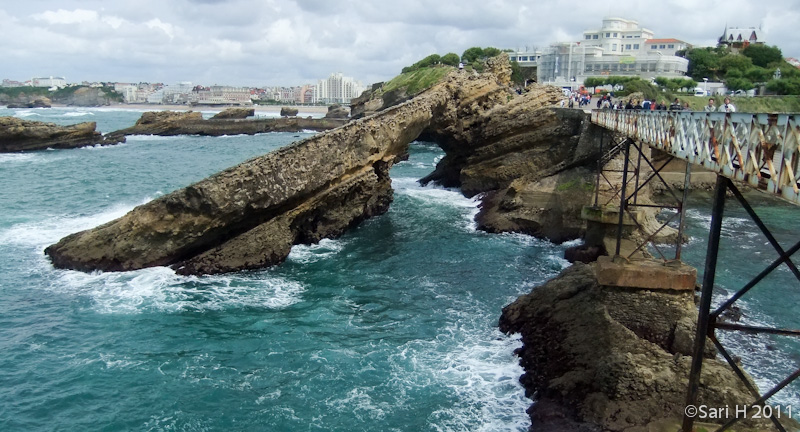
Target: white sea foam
{"points": [[326, 248], [77, 114], [16, 157], [158, 288], [437, 195], [26, 113], [153, 138], [479, 370]]}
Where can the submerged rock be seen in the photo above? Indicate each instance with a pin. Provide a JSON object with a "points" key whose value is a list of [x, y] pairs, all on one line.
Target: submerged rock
{"points": [[24, 135]]}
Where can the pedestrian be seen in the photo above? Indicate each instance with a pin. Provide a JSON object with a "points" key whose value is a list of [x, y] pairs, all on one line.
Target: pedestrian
{"points": [[727, 107], [711, 107], [676, 105]]}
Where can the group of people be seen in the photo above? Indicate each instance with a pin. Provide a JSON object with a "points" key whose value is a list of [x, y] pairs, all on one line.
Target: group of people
{"points": [[606, 102], [727, 106]]}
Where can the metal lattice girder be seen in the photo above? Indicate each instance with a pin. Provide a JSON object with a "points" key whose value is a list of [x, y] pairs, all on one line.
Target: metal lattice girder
{"points": [[762, 150]]}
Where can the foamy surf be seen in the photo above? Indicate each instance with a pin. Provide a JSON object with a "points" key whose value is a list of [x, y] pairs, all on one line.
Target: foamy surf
{"points": [[161, 289]]}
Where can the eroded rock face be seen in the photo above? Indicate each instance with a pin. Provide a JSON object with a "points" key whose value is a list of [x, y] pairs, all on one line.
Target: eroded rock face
{"points": [[603, 358], [170, 123], [250, 215], [234, 113], [24, 135], [289, 112]]}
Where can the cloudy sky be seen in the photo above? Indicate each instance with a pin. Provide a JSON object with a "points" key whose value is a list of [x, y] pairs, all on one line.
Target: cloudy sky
{"points": [[280, 42]]}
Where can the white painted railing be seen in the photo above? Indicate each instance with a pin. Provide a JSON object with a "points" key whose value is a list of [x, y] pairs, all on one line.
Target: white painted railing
{"points": [[760, 149]]}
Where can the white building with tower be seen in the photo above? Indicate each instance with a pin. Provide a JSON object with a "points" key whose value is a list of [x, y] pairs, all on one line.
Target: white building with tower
{"points": [[619, 47]]}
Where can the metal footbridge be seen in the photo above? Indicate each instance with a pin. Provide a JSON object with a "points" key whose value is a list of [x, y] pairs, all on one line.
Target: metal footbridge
{"points": [[761, 150]]}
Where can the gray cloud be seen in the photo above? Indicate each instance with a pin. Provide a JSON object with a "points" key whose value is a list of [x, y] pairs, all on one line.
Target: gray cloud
{"points": [[251, 42]]}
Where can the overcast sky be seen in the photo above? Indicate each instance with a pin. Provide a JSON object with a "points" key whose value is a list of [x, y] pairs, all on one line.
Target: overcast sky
{"points": [[271, 42]]}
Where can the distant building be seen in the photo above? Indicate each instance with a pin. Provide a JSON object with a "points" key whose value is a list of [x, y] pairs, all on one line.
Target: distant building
{"points": [[11, 83], [791, 60], [739, 38], [222, 95], [619, 47], [337, 89], [49, 82]]}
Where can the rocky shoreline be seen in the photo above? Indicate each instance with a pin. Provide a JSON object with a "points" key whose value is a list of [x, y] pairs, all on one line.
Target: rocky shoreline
{"points": [[17, 135], [596, 357]]}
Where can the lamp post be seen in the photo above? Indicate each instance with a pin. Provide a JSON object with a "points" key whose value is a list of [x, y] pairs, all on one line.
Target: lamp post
{"points": [[705, 91], [569, 67]]}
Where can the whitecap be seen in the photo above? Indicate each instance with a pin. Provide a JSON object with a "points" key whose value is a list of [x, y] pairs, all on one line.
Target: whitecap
{"points": [[161, 289], [16, 157], [77, 114], [153, 137], [26, 113], [437, 195], [326, 248]]}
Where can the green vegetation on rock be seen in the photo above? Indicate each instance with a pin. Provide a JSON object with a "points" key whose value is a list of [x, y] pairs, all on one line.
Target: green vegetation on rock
{"points": [[417, 80]]}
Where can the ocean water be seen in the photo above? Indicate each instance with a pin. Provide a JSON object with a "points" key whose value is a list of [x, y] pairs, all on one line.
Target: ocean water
{"points": [[391, 327]]}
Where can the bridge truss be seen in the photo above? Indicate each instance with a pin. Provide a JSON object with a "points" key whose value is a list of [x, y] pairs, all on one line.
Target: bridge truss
{"points": [[762, 150]]}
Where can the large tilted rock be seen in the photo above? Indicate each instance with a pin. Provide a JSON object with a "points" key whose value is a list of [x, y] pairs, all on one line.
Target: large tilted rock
{"points": [[23, 135], [250, 215], [609, 359]]}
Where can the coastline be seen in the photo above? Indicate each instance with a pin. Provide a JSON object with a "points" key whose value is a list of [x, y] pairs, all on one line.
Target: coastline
{"points": [[276, 109]]}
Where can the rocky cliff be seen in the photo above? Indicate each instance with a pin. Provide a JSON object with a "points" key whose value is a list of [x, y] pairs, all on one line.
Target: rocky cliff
{"points": [[250, 215], [24, 135]]}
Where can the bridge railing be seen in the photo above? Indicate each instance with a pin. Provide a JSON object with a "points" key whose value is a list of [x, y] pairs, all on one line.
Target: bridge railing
{"points": [[759, 149]]}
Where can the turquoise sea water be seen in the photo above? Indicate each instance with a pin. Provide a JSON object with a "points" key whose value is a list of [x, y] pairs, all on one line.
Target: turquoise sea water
{"points": [[390, 328]]}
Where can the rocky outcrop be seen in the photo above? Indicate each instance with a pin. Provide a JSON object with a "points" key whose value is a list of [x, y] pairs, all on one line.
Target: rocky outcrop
{"points": [[336, 111], [600, 358], [234, 113], [289, 112], [249, 216], [169, 123], [39, 102], [23, 135], [87, 97]]}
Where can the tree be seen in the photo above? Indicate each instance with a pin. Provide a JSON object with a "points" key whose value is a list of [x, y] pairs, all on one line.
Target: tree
{"points": [[758, 74], [472, 54], [738, 84], [703, 63], [451, 59], [735, 61], [763, 55], [593, 82], [784, 86], [491, 52]]}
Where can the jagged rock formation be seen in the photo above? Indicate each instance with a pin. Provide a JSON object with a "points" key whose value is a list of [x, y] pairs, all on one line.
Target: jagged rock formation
{"points": [[23, 135], [38, 102], [192, 123], [289, 112], [249, 216], [234, 113], [610, 359], [87, 97], [336, 111]]}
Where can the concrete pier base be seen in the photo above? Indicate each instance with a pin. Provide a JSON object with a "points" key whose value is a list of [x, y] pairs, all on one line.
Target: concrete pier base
{"points": [[645, 274]]}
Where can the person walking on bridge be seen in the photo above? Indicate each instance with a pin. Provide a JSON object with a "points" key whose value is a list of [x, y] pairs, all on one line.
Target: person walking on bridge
{"points": [[711, 107]]}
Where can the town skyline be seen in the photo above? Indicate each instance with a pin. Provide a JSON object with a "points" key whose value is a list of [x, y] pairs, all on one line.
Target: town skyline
{"points": [[250, 43]]}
